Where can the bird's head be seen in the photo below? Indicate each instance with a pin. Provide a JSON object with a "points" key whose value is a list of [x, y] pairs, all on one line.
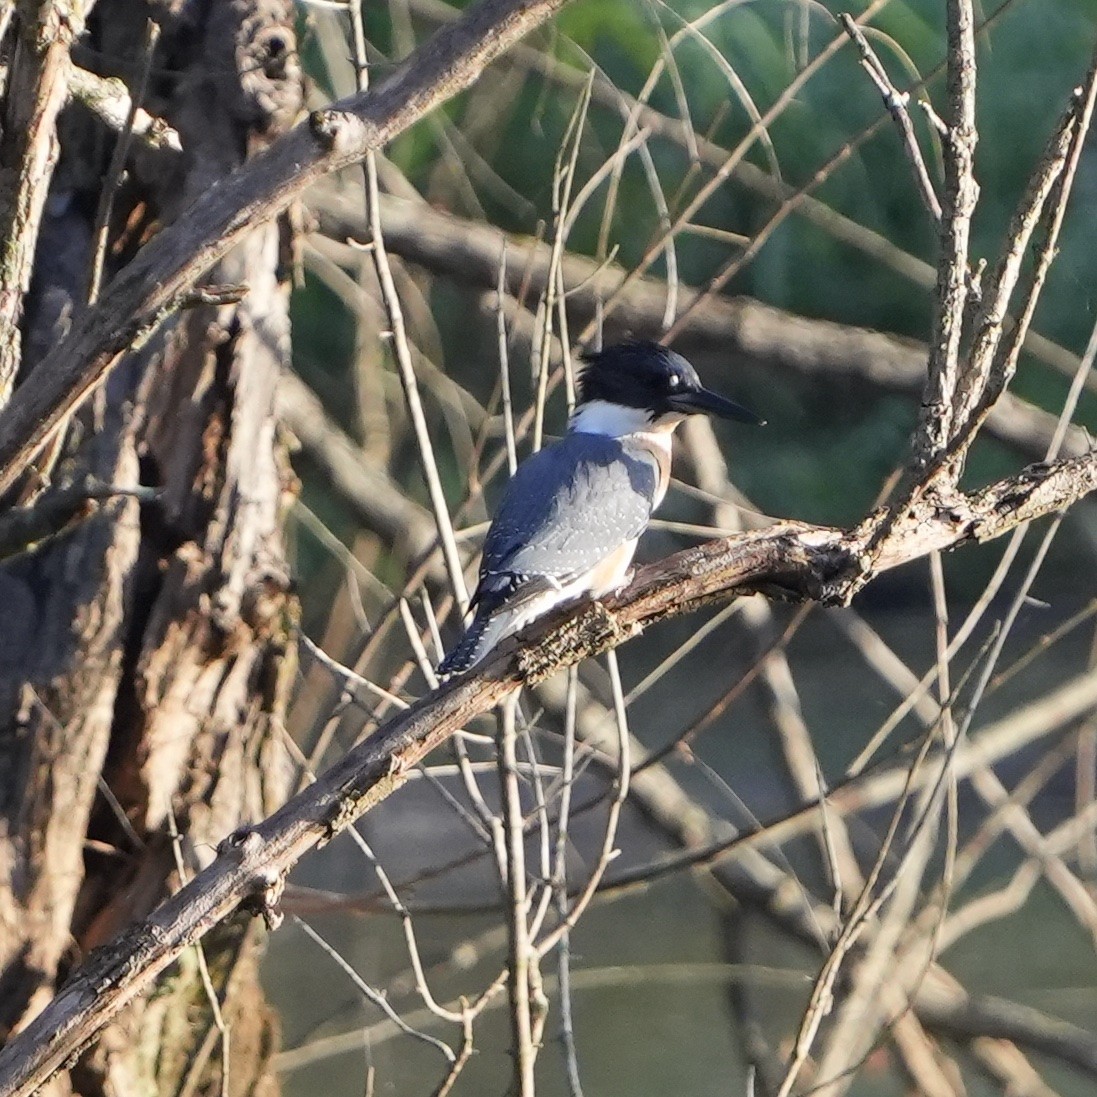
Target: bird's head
{"points": [[642, 385]]}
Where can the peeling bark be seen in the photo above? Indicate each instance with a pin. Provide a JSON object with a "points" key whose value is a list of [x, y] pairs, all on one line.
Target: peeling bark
{"points": [[147, 649]]}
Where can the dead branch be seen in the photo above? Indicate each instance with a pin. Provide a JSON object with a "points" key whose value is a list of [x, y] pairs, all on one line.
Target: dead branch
{"points": [[896, 103], [108, 98], [23, 529]]}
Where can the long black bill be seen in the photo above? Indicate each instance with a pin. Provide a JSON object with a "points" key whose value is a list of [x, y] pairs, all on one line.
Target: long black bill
{"points": [[703, 401]]}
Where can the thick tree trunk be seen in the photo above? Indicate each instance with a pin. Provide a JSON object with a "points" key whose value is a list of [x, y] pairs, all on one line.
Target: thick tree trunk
{"points": [[144, 657]]}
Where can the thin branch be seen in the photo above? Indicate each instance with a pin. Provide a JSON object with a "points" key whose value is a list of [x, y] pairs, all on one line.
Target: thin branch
{"points": [[560, 885], [24, 529], [118, 163], [399, 339], [462, 1058], [522, 957], [953, 276], [896, 103], [200, 954], [109, 100], [371, 995], [504, 362], [562, 182], [609, 838]]}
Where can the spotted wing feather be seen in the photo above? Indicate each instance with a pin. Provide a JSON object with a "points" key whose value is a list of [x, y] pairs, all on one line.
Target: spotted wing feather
{"points": [[567, 508]]}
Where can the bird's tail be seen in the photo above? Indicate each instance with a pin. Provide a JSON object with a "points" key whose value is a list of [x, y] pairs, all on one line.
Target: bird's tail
{"points": [[487, 628], [470, 648]]}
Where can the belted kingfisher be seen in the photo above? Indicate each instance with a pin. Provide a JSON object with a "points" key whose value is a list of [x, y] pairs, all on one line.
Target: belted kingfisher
{"points": [[570, 517]]}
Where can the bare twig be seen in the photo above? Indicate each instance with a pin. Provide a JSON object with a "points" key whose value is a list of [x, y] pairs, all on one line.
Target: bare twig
{"points": [[504, 362], [522, 955], [560, 883], [371, 995], [732, 160], [118, 163], [399, 340], [23, 529], [563, 181], [109, 100], [896, 103]]}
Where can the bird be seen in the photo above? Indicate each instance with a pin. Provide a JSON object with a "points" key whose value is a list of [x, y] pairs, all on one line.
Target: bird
{"points": [[567, 525]]}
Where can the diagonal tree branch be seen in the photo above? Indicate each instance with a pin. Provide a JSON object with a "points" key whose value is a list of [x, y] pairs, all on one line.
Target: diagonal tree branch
{"points": [[790, 560], [151, 286], [108, 98]]}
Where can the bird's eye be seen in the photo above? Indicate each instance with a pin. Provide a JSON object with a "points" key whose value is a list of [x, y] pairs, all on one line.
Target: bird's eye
{"points": [[674, 381]]}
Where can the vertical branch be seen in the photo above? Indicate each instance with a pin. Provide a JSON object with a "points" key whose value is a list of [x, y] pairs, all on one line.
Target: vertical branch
{"points": [[1085, 782], [47, 457], [522, 956], [491, 826], [620, 796], [961, 193], [896, 103], [401, 350], [504, 361], [560, 884], [563, 179], [220, 1026], [428, 462], [878, 997], [118, 162]]}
